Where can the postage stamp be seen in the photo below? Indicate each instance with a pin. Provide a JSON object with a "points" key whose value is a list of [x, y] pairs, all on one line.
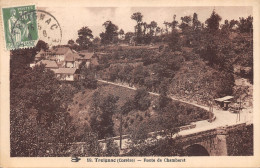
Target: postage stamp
{"points": [[20, 27]]}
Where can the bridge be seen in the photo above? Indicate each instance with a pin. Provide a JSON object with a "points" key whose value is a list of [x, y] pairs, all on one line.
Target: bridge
{"points": [[212, 142]]}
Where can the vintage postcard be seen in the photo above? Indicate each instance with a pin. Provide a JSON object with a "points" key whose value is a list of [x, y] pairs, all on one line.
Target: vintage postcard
{"points": [[129, 83]]}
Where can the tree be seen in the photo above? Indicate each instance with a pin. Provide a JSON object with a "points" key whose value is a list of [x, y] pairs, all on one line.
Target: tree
{"points": [[173, 41], [157, 30], [121, 33], [73, 45], [102, 110], [142, 99], [225, 28], [84, 37], [144, 24], [164, 100], [39, 121], [185, 23], [140, 134], [114, 72], [246, 24], [139, 74], [125, 74], [213, 22], [156, 147], [128, 36], [91, 147], [152, 27], [233, 23], [71, 42], [137, 17], [87, 78], [125, 109], [138, 30], [167, 24], [169, 119], [96, 42], [111, 148], [41, 45], [144, 144], [111, 32], [174, 23], [196, 24]]}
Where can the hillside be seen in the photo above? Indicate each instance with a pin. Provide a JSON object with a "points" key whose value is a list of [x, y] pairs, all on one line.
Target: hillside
{"points": [[79, 109]]}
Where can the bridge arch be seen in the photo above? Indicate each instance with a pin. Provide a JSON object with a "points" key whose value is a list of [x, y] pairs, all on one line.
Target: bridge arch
{"points": [[196, 150]]}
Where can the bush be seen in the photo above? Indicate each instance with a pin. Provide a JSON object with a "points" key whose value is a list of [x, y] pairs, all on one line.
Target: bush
{"points": [[240, 142], [142, 99], [112, 148]]}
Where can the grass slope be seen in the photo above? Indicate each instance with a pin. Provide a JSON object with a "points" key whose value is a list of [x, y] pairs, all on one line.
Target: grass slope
{"points": [[79, 110]]}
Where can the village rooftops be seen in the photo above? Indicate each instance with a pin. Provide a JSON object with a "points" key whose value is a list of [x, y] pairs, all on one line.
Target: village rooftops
{"points": [[65, 71], [85, 55], [48, 63], [71, 57], [42, 53], [60, 50], [39, 54]]}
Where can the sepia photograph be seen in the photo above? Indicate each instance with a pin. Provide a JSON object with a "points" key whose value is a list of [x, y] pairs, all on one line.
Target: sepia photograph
{"points": [[129, 81]]}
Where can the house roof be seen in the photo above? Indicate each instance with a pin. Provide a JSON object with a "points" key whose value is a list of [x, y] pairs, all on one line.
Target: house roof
{"points": [[60, 63], [65, 70], [224, 99], [85, 55], [52, 57], [48, 63], [38, 55], [71, 57], [61, 50]]}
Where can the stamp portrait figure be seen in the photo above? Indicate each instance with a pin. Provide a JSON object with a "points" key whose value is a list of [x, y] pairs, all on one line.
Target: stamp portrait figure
{"points": [[17, 30]]}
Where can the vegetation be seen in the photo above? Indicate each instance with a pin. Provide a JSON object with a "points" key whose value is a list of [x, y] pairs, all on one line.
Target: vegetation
{"points": [[38, 108], [84, 37], [133, 115], [155, 147], [240, 142], [101, 110], [110, 35]]}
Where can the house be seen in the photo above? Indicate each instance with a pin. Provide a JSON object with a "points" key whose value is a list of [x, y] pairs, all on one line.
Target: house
{"points": [[224, 101], [85, 56], [67, 74], [48, 64], [70, 60], [41, 55], [61, 64], [59, 54]]}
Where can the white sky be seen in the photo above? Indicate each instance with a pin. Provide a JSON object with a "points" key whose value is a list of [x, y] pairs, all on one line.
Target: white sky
{"points": [[72, 19]]}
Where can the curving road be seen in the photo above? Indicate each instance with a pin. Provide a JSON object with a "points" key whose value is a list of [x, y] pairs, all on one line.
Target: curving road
{"points": [[223, 118]]}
